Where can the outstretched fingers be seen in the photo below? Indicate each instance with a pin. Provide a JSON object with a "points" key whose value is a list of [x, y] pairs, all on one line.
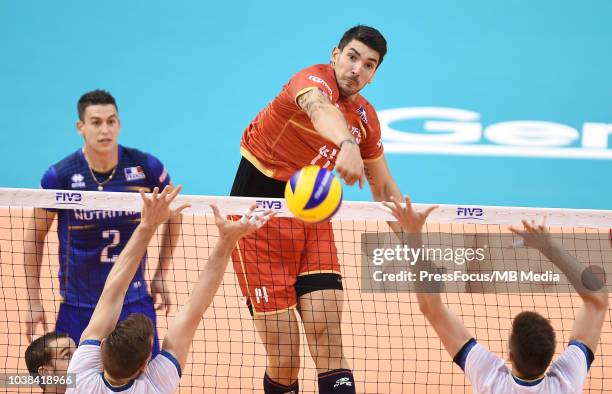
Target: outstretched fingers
{"points": [[529, 227], [180, 209], [542, 226], [155, 193], [408, 202], [145, 200], [173, 193], [394, 206], [248, 215], [251, 220], [216, 212], [164, 194], [516, 231], [429, 210], [262, 219]]}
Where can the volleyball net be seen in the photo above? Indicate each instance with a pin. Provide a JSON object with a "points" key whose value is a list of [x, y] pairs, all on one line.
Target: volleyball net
{"points": [[387, 341]]}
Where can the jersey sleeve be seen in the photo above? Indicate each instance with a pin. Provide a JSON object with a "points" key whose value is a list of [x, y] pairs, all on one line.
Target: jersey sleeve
{"points": [[164, 372], [313, 78], [86, 358], [158, 173], [372, 148], [481, 367], [573, 364], [50, 179], [462, 354]]}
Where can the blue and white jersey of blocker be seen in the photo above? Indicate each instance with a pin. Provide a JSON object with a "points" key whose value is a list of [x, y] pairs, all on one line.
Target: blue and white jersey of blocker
{"points": [[162, 375], [91, 240], [488, 373]]}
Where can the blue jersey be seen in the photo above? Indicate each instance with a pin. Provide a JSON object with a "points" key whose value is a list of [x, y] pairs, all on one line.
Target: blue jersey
{"points": [[90, 241]]}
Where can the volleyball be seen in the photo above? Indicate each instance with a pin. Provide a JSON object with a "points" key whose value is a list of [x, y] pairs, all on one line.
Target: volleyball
{"points": [[313, 194]]}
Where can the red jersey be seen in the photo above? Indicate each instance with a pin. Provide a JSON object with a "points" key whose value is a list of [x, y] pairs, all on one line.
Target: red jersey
{"points": [[282, 139]]}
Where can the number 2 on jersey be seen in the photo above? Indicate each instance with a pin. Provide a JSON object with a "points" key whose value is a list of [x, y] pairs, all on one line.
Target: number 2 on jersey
{"points": [[115, 235]]}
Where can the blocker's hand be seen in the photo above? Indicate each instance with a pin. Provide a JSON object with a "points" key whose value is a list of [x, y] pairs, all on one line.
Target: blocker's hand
{"points": [[161, 295], [156, 209], [33, 316], [534, 235], [251, 221], [411, 221]]}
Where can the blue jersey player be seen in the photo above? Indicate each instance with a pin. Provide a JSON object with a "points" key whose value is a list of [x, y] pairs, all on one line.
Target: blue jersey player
{"points": [[90, 241]]}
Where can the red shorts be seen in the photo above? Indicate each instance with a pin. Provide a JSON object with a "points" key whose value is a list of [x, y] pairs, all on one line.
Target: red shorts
{"points": [[269, 261]]}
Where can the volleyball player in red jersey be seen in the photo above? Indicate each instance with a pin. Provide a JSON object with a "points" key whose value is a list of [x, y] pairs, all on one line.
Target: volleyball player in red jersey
{"points": [[289, 266]]}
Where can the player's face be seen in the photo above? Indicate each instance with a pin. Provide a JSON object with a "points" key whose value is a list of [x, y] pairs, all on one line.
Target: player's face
{"points": [[61, 351], [100, 127], [354, 66]]}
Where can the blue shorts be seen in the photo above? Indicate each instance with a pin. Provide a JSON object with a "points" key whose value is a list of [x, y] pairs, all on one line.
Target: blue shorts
{"points": [[73, 320]]}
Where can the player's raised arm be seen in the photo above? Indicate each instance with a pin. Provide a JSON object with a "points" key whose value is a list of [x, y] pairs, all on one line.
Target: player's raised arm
{"points": [[170, 232], [169, 235], [382, 184], [451, 330], [156, 210], [35, 234], [330, 123], [594, 294], [182, 329]]}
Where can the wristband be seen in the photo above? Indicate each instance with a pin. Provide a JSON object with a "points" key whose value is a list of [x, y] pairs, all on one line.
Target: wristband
{"points": [[349, 140]]}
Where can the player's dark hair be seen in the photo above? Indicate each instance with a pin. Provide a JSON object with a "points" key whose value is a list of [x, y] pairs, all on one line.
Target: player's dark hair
{"points": [[38, 353], [367, 35], [95, 97], [532, 344], [128, 347]]}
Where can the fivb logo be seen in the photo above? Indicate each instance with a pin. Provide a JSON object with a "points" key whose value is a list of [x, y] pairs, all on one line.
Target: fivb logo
{"points": [[470, 213], [454, 131], [269, 204], [68, 198]]}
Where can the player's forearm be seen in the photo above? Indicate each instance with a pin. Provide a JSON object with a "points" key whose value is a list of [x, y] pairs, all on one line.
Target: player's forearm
{"points": [[430, 304], [590, 288], [325, 117], [383, 186], [430, 301], [428, 294], [33, 252], [330, 123], [169, 239], [383, 191], [32, 265]]}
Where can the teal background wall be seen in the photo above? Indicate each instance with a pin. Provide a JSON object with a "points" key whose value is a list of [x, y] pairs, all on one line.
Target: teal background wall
{"points": [[190, 75]]}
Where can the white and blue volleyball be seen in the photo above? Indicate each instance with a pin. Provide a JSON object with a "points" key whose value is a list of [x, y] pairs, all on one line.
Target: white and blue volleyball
{"points": [[313, 194]]}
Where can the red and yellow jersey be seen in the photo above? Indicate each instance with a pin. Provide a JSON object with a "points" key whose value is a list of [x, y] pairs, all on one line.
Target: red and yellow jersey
{"points": [[281, 139]]}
